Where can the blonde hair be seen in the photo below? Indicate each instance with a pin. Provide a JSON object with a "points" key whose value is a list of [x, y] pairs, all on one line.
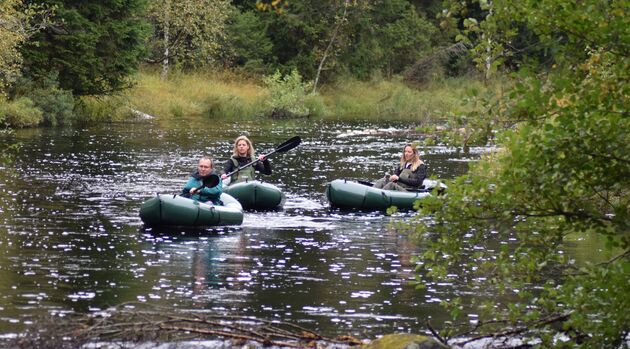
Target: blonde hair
{"points": [[250, 151], [415, 161]]}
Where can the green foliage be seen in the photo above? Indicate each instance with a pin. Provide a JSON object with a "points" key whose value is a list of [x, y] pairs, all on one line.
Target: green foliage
{"points": [[57, 105], [19, 113], [405, 40], [8, 146], [394, 100], [191, 31], [384, 36], [11, 36], [564, 169], [91, 110], [95, 46], [247, 44], [232, 107], [370, 37], [287, 94]]}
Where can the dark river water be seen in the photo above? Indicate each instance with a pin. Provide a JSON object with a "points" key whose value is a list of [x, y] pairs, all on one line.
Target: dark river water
{"points": [[71, 239]]}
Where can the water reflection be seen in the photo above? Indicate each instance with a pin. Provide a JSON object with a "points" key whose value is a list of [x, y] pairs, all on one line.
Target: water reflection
{"points": [[71, 238]]}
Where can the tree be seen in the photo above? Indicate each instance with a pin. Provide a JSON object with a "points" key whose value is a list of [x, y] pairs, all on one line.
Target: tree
{"points": [[563, 170], [246, 43], [331, 42], [94, 47], [187, 32], [384, 36], [11, 36], [17, 23], [406, 40]]}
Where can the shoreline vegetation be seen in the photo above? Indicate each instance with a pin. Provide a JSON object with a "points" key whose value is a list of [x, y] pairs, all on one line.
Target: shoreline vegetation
{"points": [[232, 96]]}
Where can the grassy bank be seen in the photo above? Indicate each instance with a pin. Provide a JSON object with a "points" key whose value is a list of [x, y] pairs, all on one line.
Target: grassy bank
{"points": [[233, 97]]}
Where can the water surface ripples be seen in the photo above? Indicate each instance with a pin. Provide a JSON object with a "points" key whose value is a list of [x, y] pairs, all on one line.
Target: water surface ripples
{"points": [[71, 239]]}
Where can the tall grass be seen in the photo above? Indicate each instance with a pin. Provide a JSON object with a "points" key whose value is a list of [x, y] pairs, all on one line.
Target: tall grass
{"points": [[394, 100], [224, 95], [214, 95]]}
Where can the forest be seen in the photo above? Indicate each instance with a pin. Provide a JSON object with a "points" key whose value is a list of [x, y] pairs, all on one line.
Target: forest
{"points": [[546, 81]]}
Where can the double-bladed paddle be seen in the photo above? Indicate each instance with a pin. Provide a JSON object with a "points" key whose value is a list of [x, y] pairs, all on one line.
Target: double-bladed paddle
{"points": [[282, 148]]}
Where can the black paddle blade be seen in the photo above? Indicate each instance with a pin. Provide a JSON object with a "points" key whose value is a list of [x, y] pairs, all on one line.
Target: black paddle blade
{"points": [[211, 180], [289, 144]]}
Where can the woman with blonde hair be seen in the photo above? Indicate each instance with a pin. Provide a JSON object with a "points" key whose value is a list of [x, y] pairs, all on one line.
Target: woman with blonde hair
{"points": [[242, 154], [409, 175]]}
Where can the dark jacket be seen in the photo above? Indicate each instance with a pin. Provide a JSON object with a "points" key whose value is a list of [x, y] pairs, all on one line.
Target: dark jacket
{"points": [[415, 178], [263, 167], [204, 195]]}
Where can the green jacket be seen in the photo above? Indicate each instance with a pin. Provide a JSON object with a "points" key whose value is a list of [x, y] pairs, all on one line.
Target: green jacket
{"points": [[204, 195]]}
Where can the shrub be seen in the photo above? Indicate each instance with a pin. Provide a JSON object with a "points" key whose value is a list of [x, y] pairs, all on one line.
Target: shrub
{"points": [[56, 104], [20, 112], [287, 94]]}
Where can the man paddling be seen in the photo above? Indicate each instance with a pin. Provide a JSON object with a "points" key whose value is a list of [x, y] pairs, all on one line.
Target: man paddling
{"points": [[198, 186]]}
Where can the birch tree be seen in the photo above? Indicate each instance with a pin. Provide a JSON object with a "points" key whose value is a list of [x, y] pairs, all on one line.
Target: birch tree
{"points": [[10, 39], [18, 22], [187, 32]]}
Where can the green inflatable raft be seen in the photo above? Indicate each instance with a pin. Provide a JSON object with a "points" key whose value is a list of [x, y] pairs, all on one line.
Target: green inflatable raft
{"points": [[347, 194], [255, 195], [175, 210]]}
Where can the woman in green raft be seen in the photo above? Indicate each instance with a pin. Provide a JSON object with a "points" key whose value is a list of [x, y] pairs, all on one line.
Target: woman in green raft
{"points": [[408, 176], [242, 154], [242, 167]]}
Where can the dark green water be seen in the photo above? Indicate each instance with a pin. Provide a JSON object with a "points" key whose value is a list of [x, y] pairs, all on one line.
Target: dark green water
{"points": [[71, 239]]}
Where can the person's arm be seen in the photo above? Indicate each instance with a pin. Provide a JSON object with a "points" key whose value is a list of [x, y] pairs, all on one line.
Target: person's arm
{"points": [[213, 192], [416, 178], [228, 167], [264, 167], [192, 183], [394, 177]]}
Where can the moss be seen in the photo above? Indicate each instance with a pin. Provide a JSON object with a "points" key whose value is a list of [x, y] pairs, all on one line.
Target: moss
{"points": [[404, 341]]}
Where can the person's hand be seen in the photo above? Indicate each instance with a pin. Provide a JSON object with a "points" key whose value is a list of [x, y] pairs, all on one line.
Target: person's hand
{"points": [[193, 191], [223, 176], [261, 157], [393, 178]]}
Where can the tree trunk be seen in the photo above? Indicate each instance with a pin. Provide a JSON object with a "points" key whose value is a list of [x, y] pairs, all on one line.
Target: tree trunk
{"points": [[166, 41], [330, 44]]}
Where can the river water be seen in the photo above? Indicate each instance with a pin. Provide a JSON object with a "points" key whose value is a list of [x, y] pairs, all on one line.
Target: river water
{"points": [[71, 240]]}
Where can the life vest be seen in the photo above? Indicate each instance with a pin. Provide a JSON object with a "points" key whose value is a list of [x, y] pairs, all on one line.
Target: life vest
{"points": [[246, 174], [406, 173]]}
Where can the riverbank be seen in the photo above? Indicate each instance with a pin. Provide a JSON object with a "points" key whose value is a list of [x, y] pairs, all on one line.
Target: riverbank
{"points": [[225, 95]]}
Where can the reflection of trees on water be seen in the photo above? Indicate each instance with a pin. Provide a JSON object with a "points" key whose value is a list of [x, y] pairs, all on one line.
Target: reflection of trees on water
{"points": [[215, 264]]}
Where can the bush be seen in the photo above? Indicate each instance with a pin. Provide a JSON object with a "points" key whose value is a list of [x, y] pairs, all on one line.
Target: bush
{"points": [[287, 94], [20, 112], [56, 104]]}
